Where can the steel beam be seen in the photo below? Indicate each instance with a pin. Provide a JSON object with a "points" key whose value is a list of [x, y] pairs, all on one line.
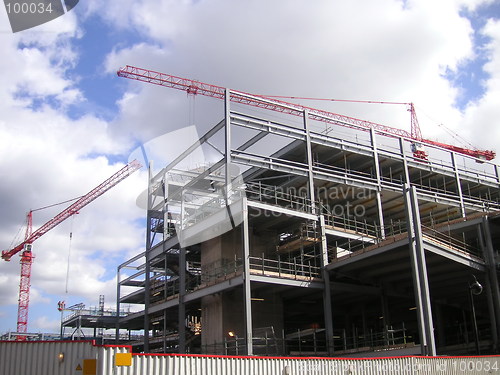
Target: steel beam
{"points": [[193, 147], [456, 256], [281, 210], [286, 282]]}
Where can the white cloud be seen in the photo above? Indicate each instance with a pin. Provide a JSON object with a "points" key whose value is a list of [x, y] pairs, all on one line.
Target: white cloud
{"points": [[348, 50], [46, 157], [480, 123], [44, 324]]}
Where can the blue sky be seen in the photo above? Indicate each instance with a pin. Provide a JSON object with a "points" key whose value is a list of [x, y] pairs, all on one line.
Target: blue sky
{"points": [[67, 122]]}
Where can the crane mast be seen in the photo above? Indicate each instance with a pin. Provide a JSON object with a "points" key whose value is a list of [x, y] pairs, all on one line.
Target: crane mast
{"points": [[206, 89], [25, 246]]}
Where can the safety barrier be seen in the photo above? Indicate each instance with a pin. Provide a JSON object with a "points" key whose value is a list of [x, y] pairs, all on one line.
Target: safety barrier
{"points": [[86, 358]]}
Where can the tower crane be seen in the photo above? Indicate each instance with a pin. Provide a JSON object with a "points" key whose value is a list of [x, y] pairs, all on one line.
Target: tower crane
{"points": [[30, 236], [266, 102]]}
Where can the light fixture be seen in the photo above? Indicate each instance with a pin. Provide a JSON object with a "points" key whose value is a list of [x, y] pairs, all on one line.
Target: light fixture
{"points": [[60, 357], [231, 334], [476, 288], [257, 299], [413, 308]]}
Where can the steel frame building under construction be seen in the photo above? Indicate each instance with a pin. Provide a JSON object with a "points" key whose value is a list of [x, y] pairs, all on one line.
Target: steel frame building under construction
{"points": [[313, 238]]}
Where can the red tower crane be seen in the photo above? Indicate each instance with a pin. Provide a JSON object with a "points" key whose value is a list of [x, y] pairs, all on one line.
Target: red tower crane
{"points": [[206, 89], [25, 246]]}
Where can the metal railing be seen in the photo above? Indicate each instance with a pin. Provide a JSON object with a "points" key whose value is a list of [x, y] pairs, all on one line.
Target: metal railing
{"points": [[279, 268]]}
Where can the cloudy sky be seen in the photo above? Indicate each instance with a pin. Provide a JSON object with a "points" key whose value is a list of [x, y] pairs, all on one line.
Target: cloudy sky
{"points": [[67, 122]]}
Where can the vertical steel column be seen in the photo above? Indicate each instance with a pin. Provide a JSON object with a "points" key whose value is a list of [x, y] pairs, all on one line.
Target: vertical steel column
{"points": [[491, 312], [379, 187], [166, 230], [246, 279], [117, 333], [492, 272], [227, 153], [227, 141], [147, 281], [384, 304], [327, 297], [419, 273], [312, 195], [457, 181], [426, 298], [181, 328], [405, 161]]}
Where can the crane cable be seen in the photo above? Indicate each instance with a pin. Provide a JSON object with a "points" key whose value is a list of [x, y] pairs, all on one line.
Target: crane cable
{"points": [[452, 133], [69, 251]]}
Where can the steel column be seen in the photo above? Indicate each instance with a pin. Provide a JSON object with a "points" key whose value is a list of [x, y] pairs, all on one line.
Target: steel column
{"points": [[246, 279], [117, 332], [312, 195], [181, 328], [327, 297], [419, 273], [147, 281], [492, 271], [405, 161], [379, 183], [457, 180]]}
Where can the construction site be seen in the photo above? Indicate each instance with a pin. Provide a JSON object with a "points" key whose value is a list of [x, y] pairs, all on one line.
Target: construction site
{"points": [[310, 234]]}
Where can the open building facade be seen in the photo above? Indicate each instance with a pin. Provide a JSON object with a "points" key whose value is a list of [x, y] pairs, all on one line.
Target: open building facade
{"points": [[302, 236]]}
